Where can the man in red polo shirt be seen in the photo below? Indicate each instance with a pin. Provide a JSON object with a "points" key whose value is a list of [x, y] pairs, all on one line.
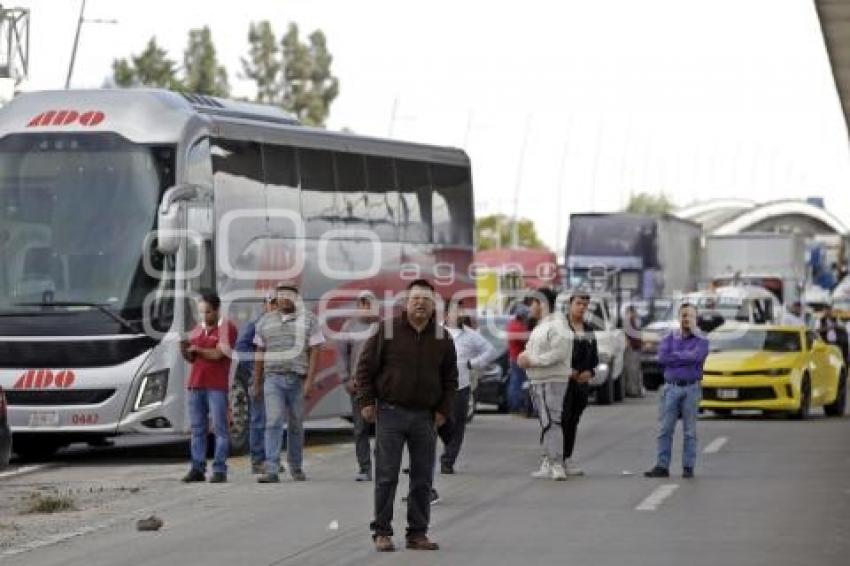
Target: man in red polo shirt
{"points": [[209, 350]]}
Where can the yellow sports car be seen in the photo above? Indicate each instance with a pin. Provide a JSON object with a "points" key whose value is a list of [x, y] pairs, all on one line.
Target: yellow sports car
{"points": [[773, 368]]}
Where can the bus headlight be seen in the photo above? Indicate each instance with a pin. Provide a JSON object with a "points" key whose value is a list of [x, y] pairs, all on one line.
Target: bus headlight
{"points": [[152, 390]]}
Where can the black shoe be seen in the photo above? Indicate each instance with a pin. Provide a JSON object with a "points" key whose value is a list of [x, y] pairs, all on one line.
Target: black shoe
{"points": [[435, 497], [688, 473], [657, 472], [447, 469], [268, 478], [218, 477], [194, 476], [298, 475]]}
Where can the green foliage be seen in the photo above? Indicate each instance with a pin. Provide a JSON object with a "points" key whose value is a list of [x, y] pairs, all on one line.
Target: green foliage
{"points": [[294, 74], [202, 73], [496, 231], [263, 64], [151, 68], [646, 203]]}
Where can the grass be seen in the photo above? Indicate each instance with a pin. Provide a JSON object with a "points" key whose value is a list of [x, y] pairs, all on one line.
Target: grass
{"points": [[49, 503]]}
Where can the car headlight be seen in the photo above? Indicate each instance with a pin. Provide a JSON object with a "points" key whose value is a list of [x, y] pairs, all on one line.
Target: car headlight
{"points": [[778, 371], [152, 390]]}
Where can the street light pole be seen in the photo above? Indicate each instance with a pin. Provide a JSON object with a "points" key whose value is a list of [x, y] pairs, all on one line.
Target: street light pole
{"points": [[76, 42], [82, 20]]}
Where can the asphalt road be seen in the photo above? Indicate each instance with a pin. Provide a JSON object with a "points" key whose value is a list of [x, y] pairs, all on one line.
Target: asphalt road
{"points": [[768, 492]]}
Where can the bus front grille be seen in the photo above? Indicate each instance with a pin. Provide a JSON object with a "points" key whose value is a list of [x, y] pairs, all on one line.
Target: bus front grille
{"points": [[57, 397]]}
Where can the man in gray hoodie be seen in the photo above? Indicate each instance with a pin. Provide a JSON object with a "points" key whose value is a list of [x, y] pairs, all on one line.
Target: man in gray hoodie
{"points": [[546, 359]]}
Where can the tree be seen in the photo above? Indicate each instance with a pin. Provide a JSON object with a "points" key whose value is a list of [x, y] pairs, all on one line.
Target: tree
{"points": [[151, 67], [496, 231], [645, 203], [202, 73], [293, 74], [263, 63]]}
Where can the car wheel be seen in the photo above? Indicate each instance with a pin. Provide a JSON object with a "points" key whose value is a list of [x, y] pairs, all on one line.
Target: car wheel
{"points": [[652, 381], [605, 393], [240, 417], [838, 407], [502, 406], [805, 401]]}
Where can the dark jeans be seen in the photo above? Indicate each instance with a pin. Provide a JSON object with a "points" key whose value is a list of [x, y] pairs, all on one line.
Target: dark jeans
{"points": [[395, 427], [517, 397], [361, 437], [452, 432], [575, 402]]}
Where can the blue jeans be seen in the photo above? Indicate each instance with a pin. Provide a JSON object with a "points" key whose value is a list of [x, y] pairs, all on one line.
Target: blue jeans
{"points": [[257, 433], [205, 403], [284, 400], [677, 401], [516, 394]]}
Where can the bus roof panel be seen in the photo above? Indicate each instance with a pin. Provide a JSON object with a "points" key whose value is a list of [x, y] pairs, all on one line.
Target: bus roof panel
{"points": [[160, 116], [317, 138]]}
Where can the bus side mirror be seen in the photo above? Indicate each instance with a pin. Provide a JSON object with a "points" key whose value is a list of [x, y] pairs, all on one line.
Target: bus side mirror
{"points": [[170, 217]]}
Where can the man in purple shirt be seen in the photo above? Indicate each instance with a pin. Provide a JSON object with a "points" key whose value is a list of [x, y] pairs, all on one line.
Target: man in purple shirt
{"points": [[681, 354]]}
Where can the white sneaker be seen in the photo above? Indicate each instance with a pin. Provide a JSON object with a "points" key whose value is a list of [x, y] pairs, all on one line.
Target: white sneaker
{"points": [[572, 469], [545, 471], [558, 473]]}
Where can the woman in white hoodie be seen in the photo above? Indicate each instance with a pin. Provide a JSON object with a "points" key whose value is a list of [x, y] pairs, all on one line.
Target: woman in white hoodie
{"points": [[547, 359]]}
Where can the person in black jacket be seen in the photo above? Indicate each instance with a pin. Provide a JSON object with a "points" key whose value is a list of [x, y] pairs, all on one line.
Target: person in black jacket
{"points": [[406, 382], [584, 362]]}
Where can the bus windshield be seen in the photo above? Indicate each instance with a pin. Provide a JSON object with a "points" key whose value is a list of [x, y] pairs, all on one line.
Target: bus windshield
{"points": [[74, 213]]}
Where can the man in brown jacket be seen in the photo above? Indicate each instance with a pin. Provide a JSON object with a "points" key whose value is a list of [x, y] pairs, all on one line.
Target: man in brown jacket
{"points": [[406, 382]]}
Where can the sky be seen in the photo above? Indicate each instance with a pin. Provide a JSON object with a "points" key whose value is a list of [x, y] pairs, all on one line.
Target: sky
{"points": [[563, 106]]}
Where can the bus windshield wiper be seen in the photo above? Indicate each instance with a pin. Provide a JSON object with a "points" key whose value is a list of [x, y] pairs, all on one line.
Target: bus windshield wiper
{"points": [[126, 324]]}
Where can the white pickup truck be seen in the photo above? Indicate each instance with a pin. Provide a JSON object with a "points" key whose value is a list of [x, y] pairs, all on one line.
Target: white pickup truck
{"points": [[608, 383]]}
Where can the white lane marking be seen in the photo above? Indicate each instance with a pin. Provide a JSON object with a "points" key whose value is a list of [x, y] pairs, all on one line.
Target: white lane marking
{"points": [[715, 445], [657, 497], [23, 470]]}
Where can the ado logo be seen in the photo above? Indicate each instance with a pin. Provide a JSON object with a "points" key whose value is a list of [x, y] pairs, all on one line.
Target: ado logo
{"points": [[67, 118], [45, 379]]}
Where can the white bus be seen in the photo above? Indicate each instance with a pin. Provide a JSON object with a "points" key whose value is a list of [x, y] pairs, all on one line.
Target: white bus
{"points": [[117, 206]]}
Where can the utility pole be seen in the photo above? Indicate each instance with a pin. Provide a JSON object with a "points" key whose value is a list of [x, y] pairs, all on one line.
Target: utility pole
{"points": [[515, 227], [82, 20], [393, 116]]}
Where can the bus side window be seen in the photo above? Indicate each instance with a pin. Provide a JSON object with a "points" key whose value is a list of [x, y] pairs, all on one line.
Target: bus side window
{"points": [[415, 204], [320, 202], [382, 197], [451, 205]]}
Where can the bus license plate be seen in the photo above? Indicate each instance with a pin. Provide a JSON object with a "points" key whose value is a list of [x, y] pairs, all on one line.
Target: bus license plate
{"points": [[44, 418], [727, 394]]}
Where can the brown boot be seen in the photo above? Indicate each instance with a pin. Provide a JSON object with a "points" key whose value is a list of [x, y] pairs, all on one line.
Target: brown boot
{"points": [[384, 544], [421, 542]]}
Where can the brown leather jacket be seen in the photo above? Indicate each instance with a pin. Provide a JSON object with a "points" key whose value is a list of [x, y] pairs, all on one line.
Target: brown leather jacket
{"points": [[415, 370]]}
